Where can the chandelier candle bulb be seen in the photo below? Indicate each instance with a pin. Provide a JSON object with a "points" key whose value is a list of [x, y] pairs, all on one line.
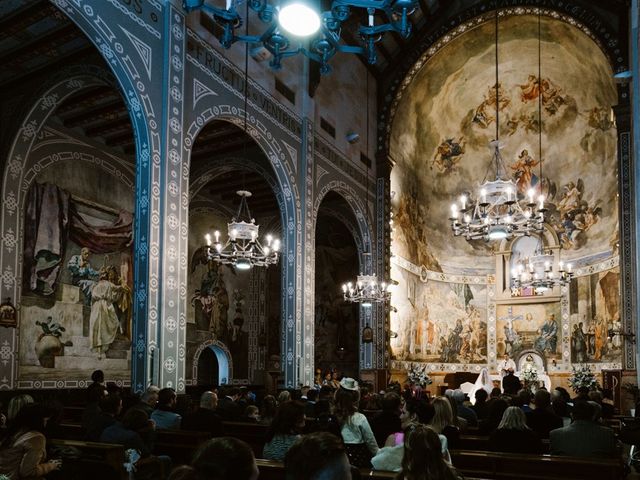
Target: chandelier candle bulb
{"points": [[463, 202], [531, 193], [208, 239]]}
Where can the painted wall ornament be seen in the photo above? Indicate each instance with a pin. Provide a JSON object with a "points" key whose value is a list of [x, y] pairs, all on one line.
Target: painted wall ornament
{"points": [[8, 314]]}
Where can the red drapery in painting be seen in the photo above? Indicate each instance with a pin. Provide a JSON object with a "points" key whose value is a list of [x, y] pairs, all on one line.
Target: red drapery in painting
{"points": [[52, 219]]}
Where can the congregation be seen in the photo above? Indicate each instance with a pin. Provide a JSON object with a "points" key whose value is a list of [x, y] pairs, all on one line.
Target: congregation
{"points": [[317, 433]]}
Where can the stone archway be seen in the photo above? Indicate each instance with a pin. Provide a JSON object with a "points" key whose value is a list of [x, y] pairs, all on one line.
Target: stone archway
{"points": [[223, 356]]}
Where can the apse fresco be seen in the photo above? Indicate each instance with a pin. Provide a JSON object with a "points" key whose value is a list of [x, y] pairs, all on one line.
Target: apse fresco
{"points": [[527, 327], [440, 322], [447, 116], [595, 316]]}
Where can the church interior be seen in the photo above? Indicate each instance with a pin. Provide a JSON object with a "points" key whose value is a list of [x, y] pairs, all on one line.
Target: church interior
{"points": [[423, 196]]}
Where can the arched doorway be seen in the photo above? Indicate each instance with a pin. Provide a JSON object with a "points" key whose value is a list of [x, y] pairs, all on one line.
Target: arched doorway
{"points": [[241, 308], [337, 332]]}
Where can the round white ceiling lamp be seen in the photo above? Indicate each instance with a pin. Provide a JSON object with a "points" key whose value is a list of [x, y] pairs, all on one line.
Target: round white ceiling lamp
{"points": [[299, 19]]}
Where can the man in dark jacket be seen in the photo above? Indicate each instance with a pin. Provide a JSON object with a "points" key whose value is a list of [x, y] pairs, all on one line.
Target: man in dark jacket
{"points": [[511, 384], [228, 408], [204, 418], [584, 437], [542, 420]]}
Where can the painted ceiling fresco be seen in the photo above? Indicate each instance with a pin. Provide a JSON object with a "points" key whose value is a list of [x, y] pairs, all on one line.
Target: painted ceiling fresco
{"points": [[447, 116]]}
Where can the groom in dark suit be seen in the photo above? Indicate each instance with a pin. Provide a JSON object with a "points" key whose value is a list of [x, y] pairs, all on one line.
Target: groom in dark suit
{"points": [[511, 383]]}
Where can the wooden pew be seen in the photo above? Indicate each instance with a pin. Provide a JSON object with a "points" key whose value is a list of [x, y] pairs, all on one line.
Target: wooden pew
{"points": [[180, 445], [108, 453], [252, 433], [481, 443], [270, 470], [508, 466]]}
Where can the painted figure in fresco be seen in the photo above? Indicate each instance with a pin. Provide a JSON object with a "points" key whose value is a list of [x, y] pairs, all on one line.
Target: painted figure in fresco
{"points": [[548, 339], [578, 344], [104, 320], [83, 274], [600, 338], [591, 340], [523, 172], [552, 101], [448, 154], [485, 112], [455, 340], [600, 118], [530, 90], [123, 305], [512, 340]]}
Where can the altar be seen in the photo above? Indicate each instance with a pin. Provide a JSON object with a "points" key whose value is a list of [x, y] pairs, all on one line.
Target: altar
{"points": [[542, 377]]}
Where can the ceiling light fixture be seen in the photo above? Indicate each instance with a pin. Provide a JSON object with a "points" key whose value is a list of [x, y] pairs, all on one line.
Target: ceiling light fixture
{"points": [[497, 212], [317, 35]]}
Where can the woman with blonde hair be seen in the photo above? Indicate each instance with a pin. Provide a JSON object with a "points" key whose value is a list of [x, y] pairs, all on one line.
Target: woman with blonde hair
{"points": [[443, 422], [513, 435], [423, 457]]}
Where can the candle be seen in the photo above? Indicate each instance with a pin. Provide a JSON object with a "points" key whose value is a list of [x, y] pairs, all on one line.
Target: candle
{"points": [[530, 193], [217, 235], [370, 20], [208, 238], [569, 267], [541, 199], [483, 195], [463, 201], [509, 192]]}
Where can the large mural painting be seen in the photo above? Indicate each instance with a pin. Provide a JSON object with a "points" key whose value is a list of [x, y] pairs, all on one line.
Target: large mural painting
{"points": [[595, 316], [446, 323], [76, 305], [447, 117], [439, 136]]}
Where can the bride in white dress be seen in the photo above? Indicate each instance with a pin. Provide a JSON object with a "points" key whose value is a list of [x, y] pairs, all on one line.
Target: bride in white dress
{"points": [[483, 382]]}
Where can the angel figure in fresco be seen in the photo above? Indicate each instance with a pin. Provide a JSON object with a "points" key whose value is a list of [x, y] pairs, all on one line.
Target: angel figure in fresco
{"points": [[523, 171], [551, 98], [530, 90], [485, 112], [600, 118], [448, 154], [571, 196]]}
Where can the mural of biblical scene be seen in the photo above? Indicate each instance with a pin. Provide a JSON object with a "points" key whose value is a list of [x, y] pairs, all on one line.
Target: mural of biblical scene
{"points": [[525, 327], [337, 333], [220, 306], [447, 116], [77, 285], [595, 315], [440, 322]]}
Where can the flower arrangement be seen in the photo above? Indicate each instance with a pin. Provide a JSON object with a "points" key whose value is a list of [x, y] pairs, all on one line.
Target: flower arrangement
{"points": [[419, 376], [49, 327], [581, 378], [530, 376]]}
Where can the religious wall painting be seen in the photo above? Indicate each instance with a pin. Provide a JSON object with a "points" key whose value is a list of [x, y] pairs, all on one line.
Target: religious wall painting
{"points": [[447, 324], [594, 311], [534, 327], [219, 306], [576, 171], [76, 305]]}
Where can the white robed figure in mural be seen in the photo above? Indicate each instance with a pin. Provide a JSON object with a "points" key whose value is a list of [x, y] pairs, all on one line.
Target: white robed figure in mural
{"points": [[103, 320], [483, 382]]}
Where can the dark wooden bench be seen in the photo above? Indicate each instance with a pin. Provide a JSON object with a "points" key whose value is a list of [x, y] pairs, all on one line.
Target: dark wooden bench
{"points": [[107, 453], [481, 443], [180, 445], [508, 466], [252, 433]]}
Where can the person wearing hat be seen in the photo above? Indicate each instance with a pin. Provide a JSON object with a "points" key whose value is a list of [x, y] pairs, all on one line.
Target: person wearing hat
{"points": [[358, 438]]}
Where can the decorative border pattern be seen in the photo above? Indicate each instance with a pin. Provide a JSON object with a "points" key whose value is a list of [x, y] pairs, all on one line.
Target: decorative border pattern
{"points": [[138, 97]]}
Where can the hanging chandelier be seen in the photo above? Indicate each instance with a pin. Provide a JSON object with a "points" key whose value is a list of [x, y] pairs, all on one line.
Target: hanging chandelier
{"points": [[293, 27], [498, 211], [540, 272], [367, 291], [242, 248]]}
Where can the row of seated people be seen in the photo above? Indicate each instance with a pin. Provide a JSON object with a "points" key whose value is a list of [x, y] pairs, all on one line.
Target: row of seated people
{"points": [[443, 415]]}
